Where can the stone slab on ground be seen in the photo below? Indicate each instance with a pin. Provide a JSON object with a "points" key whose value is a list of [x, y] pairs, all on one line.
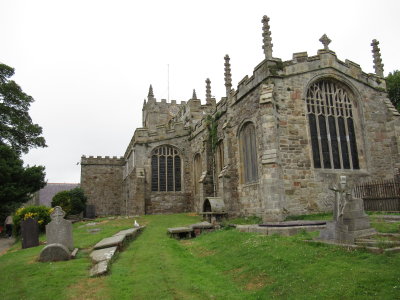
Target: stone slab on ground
{"points": [[179, 229], [99, 269], [286, 231], [117, 241], [180, 232], [74, 253], [202, 225], [54, 252], [129, 233], [395, 218], [102, 254]]}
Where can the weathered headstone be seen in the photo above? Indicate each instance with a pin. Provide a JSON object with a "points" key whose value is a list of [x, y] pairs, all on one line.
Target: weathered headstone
{"points": [[90, 211], [30, 233], [54, 252], [349, 219], [59, 230]]}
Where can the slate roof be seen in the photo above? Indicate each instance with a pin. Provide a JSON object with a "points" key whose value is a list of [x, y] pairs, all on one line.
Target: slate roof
{"points": [[47, 193]]}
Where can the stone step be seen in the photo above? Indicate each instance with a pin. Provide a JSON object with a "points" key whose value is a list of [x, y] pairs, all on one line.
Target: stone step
{"points": [[100, 268], [130, 233], [112, 241], [103, 254]]}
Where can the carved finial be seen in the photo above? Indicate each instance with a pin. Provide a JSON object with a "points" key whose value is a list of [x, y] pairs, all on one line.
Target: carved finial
{"points": [[267, 45], [57, 214], [150, 94], [144, 102], [208, 89], [194, 94], [228, 75], [325, 41], [378, 65]]}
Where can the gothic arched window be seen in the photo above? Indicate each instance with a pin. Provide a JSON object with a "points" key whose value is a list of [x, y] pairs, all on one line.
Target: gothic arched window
{"points": [[330, 117], [249, 152], [165, 170]]}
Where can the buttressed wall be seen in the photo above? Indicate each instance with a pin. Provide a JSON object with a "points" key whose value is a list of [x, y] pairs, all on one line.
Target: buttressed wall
{"points": [[271, 147]]}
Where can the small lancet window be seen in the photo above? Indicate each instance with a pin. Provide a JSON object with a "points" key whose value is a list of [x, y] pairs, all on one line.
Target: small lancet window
{"points": [[332, 133]]}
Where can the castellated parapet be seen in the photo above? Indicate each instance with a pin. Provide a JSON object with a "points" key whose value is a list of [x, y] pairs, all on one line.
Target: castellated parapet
{"points": [[100, 160], [101, 180], [302, 63]]}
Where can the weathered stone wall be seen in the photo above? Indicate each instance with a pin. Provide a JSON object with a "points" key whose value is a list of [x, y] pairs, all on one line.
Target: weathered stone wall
{"points": [[274, 100], [101, 180]]}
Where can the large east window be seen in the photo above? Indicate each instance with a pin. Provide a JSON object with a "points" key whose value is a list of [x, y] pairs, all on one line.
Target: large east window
{"points": [[332, 130], [165, 169]]}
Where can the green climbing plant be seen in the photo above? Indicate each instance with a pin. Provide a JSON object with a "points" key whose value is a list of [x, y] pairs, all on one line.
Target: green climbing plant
{"points": [[212, 125]]}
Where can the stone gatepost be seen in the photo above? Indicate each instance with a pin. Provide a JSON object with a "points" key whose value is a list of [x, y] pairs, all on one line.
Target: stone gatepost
{"points": [[271, 191]]}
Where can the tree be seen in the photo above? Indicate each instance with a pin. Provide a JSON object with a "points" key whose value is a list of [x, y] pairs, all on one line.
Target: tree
{"points": [[393, 88], [72, 201], [17, 182], [16, 127], [18, 134]]}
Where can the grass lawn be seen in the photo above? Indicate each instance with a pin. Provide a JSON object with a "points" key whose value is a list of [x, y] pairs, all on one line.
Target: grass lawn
{"points": [[224, 264]]}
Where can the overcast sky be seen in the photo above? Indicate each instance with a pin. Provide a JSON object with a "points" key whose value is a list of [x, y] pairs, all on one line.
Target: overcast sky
{"points": [[89, 64]]}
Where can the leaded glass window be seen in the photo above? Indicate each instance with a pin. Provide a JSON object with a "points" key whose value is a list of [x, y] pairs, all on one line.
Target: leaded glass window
{"points": [[249, 153], [165, 170], [330, 117]]}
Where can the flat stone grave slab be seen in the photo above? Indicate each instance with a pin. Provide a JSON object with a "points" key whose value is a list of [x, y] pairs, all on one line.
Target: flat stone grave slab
{"points": [[180, 232], [117, 241], [100, 268], [293, 223], [202, 225], [129, 233], [102, 254]]}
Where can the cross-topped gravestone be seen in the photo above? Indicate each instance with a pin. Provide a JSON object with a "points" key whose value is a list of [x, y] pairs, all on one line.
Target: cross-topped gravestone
{"points": [[59, 230], [349, 219], [29, 233]]}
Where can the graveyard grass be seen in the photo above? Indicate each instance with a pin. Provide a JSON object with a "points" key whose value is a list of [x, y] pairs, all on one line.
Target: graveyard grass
{"points": [[224, 264]]}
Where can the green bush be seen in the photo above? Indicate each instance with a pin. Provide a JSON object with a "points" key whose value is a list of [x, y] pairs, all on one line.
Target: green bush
{"points": [[40, 213], [72, 202]]}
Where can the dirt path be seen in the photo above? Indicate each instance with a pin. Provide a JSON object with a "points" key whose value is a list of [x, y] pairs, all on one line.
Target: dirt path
{"points": [[5, 243]]}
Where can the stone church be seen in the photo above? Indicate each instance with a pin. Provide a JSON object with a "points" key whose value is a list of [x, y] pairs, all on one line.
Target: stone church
{"points": [[272, 147]]}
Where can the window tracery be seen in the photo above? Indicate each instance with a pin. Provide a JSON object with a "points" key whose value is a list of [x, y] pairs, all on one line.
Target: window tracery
{"points": [[165, 170], [330, 117]]}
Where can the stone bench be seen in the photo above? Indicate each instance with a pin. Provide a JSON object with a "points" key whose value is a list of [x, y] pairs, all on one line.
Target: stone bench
{"points": [[180, 232]]}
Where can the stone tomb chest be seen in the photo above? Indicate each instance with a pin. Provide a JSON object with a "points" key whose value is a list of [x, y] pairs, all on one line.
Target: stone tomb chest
{"points": [[213, 209]]}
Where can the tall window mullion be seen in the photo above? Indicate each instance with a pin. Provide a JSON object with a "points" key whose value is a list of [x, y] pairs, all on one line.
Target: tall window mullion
{"points": [[332, 133], [165, 170]]}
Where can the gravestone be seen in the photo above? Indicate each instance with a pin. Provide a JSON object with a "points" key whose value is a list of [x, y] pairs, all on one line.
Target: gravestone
{"points": [[59, 230], [54, 252], [349, 219], [90, 211], [30, 233]]}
